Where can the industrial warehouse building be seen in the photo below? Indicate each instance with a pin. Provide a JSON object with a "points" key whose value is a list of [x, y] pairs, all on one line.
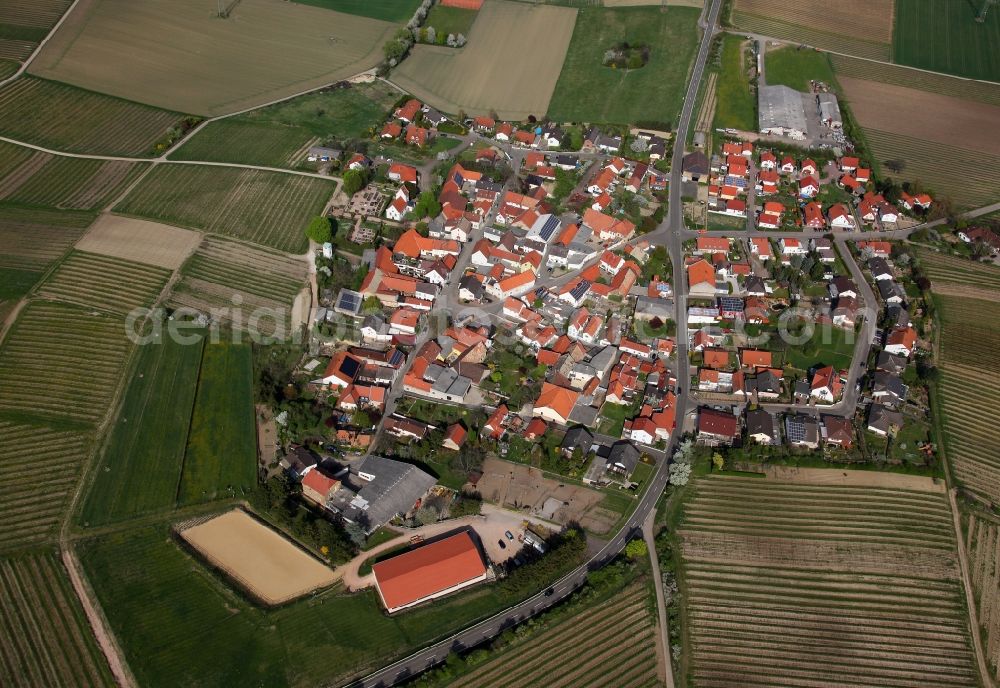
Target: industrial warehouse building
{"points": [[430, 571], [781, 112]]}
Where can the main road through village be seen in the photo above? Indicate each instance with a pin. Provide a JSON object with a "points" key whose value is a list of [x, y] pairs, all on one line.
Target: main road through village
{"points": [[671, 232]]}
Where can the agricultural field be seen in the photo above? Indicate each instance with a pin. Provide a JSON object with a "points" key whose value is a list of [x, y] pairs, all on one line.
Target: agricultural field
{"points": [[397, 11], [35, 178], [7, 68], [109, 284], [179, 626], [62, 362], [789, 66], [270, 566], [965, 396], [54, 458], [918, 114], [951, 272], [735, 105], [983, 545], [140, 241], [221, 455], [510, 65], [822, 585], [268, 208], [913, 78], [574, 652], [944, 36], [24, 23], [140, 464], [65, 118], [32, 239], [47, 640], [280, 135], [240, 280], [969, 178], [264, 51], [589, 91], [855, 27]]}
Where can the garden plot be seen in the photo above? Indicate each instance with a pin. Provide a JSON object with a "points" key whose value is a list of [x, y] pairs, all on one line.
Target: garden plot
{"points": [[62, 362], [141, 241], [32, 455], [269, 566], [269, 208], [822, 585], [510, 64], [181, 56], [110, 284]]}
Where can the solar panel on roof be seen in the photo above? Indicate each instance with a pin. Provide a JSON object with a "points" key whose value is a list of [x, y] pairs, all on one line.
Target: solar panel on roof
{"points": [[549, 227], [349, 301], [350, 367]]}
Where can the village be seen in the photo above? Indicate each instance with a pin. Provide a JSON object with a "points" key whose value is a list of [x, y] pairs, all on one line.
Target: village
{"points": [[516, 308]]}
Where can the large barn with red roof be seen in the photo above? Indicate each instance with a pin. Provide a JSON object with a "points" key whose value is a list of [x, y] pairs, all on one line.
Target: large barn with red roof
{"points": [[430, 571]]}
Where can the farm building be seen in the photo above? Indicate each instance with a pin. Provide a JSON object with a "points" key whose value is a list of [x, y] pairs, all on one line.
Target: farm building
{"points": [[829, 110], [378, 489], [428, 572], [781, 112]]}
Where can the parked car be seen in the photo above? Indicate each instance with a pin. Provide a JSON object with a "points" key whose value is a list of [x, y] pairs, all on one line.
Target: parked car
{"points": [[510, 535], [503, 545]]}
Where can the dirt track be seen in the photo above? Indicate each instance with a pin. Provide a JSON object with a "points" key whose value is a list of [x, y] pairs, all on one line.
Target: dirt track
{"points": [[264, 562], [849, 478]]}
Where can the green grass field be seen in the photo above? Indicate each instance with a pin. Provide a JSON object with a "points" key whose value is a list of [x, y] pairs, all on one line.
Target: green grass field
{"points": [[735, 105], [140, 466], [274, 135], [828, 346], [943, 36], [221, 455], [180, 625], [63, 117], [398, 11], [47, 640], [589, 91], [446, 20], [269, 208], [792, 67]]}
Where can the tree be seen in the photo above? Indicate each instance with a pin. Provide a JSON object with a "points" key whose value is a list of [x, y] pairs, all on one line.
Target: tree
{"points": [[460, 40], [320, 229], [431, 36], [636, 549], [354, 181], [680, 473], [427, 515], [718, 461], [427, 205]]}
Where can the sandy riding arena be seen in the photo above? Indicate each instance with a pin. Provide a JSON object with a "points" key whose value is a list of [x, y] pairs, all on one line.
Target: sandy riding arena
{"points": [[272, 568], [141, 241]]}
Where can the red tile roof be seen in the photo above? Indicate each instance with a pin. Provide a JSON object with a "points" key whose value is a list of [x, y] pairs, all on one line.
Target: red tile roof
{"points": [[428, 570]]}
